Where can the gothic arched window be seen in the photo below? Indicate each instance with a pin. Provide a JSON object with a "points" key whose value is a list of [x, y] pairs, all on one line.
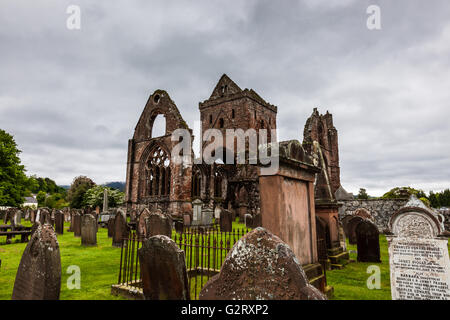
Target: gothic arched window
{"points": [[158, 173]]}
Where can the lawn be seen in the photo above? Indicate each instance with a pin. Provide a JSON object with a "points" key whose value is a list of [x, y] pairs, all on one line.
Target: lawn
{"points": [[98, 265]]}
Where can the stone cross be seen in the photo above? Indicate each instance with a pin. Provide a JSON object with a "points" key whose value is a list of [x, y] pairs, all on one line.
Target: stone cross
{"points": [[39, 273]]}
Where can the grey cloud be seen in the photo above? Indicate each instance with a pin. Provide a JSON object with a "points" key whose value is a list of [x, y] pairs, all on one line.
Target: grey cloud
{"points": [[72, 98]]}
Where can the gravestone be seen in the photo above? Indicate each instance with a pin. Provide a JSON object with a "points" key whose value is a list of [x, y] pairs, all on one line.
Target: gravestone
{"points": [[260, 266], [217, 211], [33, 216], [141, 224], [158, 223], [179, 226], [39, 274], [59, 222], [351, 227], [88, 230], [76, 225], [18, 217], [248, 221], [187, 219], [368, 242], [120, 229], [111, 226], [226, 222], [163, 270], [207, 217], [197, 212], [342, 238], [257, 220], [418, 256]]}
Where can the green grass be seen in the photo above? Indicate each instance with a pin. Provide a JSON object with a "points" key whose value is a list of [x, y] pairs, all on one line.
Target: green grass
{"points": [[350, 283], [99, 266]]}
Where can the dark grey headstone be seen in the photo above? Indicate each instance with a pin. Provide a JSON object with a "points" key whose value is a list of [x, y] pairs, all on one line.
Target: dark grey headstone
{"points": [[39, 273], [368, 242], [88, 230], [163, 270]]}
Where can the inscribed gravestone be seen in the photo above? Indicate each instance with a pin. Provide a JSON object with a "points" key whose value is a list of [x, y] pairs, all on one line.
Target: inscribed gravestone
{"points": [[163, 270], [260, 266], [88, 230], [419, 259], [39, 273]]}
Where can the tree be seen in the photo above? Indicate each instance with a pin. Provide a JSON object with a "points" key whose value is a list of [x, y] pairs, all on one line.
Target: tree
{"points": [[94, 197], [13, 181], [40, 197], [434, 200], [362, 195], [399, 192], [78, 188]]}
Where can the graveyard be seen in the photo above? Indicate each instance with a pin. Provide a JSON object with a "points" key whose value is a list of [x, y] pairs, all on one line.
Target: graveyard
{"points": [[99, 266]]}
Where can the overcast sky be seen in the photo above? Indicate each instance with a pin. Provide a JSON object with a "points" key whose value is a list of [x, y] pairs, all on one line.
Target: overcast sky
{"points": [[72, 98]]}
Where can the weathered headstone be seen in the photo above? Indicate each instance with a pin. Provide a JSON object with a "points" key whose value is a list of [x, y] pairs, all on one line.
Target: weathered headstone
{"points": [[163, 270], [187, 219], [76, 225], [368, 242], [39, 273], [120, 229], [257, 220], [141, 226], [207, 217], [226, 222], [248, 221], [88, 230], [217, 211], [59, 222], [419, 259], [260, 266], [351, 227], [197, 212], [111, 226], [18, 217], [158, 223], [179, 226]]}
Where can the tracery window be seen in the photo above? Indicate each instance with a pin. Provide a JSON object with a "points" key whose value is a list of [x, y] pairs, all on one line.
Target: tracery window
{"points": [[158, 173]]}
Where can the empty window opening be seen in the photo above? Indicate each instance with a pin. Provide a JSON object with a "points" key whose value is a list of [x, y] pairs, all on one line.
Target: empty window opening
{"points": [[158, 126]]}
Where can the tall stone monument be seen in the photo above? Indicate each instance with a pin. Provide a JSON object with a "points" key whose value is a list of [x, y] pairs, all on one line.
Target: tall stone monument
{"points": [[418, 254]]}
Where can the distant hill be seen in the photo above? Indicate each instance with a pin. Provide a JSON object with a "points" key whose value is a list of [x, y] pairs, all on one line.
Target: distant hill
{"points": [[116, 185]]}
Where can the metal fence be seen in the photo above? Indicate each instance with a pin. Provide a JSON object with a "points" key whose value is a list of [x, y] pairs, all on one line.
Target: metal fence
{"points": [[205, 251]]}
